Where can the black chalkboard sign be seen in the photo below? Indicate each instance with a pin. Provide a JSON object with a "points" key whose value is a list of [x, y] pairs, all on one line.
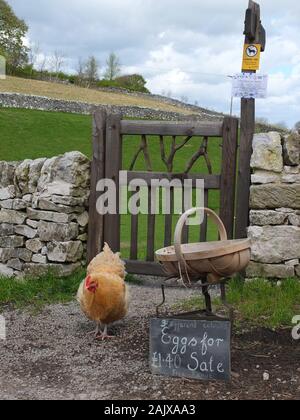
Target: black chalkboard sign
{"points": [[194, 349]]}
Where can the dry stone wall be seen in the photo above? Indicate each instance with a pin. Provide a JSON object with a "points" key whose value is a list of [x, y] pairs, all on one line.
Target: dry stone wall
{"points": [[44, 215], [17, 100], [275, 206]]}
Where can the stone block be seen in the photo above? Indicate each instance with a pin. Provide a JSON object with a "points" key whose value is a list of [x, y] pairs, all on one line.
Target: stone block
{"points": [[273, 196], [15, 264], [12, 217], [34, 245], [65, 251], [270, 271], [6, 271], [294, 219], [265, 177], [267, 217], [11, 242], [274, 244], [39, 259], [6, 229], [26, 231], [61, 270], [48, 216], [267, 152], [48, 232], [7, 193], [291, 149]]}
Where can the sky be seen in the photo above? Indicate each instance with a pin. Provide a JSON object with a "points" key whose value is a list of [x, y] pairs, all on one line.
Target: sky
{"points": [[184, 48]]}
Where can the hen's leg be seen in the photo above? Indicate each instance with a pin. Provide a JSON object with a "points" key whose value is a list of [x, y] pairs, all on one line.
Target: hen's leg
{"points": [[104, 335], [97, 332]]}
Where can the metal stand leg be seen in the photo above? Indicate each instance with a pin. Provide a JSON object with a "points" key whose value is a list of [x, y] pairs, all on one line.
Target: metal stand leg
{"points": [[163, 302], [208, 301], [207, 297], [225, 303]]}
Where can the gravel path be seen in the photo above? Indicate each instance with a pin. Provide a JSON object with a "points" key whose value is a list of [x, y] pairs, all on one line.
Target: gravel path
{"points": [[51, 356]]}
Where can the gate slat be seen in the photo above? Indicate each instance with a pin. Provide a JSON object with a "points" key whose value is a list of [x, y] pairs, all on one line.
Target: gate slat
{"points": [[203, 229], [145, 268], [228, 177], [169, 221], [166, 128], [212, 182], [96, 221], [185, 230], [151, 225], [134, 235], [113, 166]]}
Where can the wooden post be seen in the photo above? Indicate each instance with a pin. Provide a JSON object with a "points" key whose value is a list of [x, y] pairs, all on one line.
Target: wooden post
{"points": [[112, 222], [96, 221], [254, 35], [228, 178]]}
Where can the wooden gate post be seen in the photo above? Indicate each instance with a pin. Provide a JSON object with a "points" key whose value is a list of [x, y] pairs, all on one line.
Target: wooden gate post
{"points": [[96, 221], [255, 34], [112, 222], [228, 176]]}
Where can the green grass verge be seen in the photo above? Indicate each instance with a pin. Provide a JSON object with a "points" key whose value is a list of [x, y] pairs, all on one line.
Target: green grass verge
{"points": [[36, 293], [258, 303]]}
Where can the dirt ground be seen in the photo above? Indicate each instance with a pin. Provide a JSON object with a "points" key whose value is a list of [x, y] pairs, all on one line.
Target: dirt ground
{"points": [[51, 356]]}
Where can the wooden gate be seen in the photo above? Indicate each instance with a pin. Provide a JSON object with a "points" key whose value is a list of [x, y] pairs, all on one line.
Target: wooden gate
{"points": [[109, 131]]}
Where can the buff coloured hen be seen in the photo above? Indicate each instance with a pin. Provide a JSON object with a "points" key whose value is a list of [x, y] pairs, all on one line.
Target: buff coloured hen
{"points": [[103, 295]]}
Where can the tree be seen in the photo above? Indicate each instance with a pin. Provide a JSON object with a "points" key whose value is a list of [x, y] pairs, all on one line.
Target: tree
{"points": [[91, 70], [113, 67], [184, 99], [297, 126], [134, 82], [43, 63], [33, 56], [282, 125], [57, 61], [80, 72], [262, 121], [12, 33]]}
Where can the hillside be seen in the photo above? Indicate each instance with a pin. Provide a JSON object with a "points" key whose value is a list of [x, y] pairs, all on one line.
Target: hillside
{"points": [[97, 97]]}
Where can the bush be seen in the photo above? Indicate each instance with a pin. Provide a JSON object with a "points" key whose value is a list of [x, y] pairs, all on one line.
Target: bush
{"points": [[134, 83]]}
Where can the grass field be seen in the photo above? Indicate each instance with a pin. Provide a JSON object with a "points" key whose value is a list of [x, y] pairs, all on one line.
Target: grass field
{"points": [[30, 134], [75, 93]]}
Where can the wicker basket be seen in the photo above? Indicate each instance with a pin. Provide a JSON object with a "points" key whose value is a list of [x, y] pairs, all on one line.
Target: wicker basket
{"points": [[211, 260]]}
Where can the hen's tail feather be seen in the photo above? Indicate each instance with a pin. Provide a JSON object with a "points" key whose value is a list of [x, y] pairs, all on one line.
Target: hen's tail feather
{"points": [[109, 259]]}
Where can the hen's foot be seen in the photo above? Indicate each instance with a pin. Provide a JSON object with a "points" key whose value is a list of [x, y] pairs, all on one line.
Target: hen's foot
{"points": [[104, 335], [97, 332]]}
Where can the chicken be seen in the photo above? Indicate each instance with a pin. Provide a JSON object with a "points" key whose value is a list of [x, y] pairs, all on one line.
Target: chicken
{"points": [[103, 295]]}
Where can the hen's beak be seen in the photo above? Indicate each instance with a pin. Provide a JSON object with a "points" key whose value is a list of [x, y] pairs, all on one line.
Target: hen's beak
{"points": [[91, 286]]}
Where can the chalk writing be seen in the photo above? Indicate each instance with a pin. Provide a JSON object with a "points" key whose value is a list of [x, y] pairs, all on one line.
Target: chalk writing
{"points": [[193, 349]]}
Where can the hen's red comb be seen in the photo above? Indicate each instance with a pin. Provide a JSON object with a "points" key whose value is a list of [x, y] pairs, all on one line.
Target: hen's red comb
{"points": [[88, 281]]}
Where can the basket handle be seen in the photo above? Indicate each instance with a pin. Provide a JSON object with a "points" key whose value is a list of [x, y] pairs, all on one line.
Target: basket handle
{"points": [[181, 223]]}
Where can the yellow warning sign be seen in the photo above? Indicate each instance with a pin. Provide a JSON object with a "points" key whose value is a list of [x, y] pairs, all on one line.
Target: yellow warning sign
{"points": [[251, 59]]}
